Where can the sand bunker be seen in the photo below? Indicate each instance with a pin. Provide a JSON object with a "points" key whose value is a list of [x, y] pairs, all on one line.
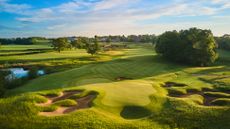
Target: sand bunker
{"points": [[207, 99], [83, 102]]}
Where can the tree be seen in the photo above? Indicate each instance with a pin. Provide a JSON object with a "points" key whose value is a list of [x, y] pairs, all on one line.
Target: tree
{"points": [[108, 40], [79, 43], [193, 46], [93, 48], [33, 72], [60, 44], [223, 42]]}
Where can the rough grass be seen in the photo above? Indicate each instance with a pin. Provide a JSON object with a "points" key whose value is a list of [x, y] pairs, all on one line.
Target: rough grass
{"points": [[49, 108], [66, 103], [176, 91], [221, 102], [217, 94]]}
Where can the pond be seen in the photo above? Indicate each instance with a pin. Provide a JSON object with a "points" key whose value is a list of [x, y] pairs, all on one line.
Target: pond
{"points": [[17, 73]]}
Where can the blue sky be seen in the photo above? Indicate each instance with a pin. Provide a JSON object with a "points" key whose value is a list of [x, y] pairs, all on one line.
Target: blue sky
{"points": [[54, 18]]}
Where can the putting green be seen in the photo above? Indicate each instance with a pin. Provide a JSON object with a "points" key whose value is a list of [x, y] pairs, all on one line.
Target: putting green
{"points": [[130, 92]]}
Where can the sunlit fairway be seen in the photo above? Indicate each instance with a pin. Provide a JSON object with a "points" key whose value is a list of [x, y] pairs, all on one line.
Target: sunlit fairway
{"points": [[130, 89]]}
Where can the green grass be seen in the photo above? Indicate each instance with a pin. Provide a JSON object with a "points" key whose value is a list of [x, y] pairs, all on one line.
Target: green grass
{"points": [[49, 108], [66, 103], [221, 102], [137, 102], [217, 94], [23, 47]]}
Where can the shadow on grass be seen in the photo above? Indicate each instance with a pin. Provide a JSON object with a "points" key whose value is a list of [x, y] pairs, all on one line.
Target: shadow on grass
{"points": [[134, 112]]}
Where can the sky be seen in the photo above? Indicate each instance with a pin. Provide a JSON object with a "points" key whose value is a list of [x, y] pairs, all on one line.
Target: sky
{"points": [[57, 18]]}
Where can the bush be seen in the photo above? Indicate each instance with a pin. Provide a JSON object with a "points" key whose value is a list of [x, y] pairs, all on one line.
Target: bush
{"points": [[33, 72], [193, 46], [14, 83], [221, 102]]}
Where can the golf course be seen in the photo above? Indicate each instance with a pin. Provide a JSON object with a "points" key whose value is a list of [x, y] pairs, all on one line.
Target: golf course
{"points": [[125, 88]]}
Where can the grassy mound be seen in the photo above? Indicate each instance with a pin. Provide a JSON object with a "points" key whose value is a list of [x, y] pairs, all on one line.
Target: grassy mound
{"points": [[50, 108], [83, 94], [65, 103], [217, 94], [221, 102], [176, 91], [198, 99], [50, 93]]}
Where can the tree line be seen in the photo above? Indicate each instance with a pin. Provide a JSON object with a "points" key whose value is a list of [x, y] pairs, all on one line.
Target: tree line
{"points": [[193, 46], [91, 45], [20, 41], [130, 38], [223, 42]]}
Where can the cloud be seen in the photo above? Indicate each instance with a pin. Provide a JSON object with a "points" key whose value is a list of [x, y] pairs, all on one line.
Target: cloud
{"points": [[225, 4], [38, 16], [5, 6], [108, 4], [54, 27], [91, 17]]}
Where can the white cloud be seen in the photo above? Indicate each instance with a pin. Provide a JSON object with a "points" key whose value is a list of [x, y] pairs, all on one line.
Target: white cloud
{"points": [[79, 17], [54, 27], [108, 4], [5, 6], [38, 16]]}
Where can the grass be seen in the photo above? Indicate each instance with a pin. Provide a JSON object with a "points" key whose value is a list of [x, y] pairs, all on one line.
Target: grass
{"points": [[66, 103], [176, 91], [141, 97], [221, 102], [217, 94], [49, 108]]}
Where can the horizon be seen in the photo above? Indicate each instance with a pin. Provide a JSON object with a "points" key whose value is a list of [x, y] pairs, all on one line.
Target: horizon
{"points": [[66, 18]]}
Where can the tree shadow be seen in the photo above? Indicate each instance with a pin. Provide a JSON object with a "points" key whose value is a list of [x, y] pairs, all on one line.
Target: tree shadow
{"points": [[134, 112]]}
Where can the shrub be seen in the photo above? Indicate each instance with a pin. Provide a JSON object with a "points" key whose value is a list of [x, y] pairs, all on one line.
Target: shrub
{"points": [[14, 83], [33, 72]]}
